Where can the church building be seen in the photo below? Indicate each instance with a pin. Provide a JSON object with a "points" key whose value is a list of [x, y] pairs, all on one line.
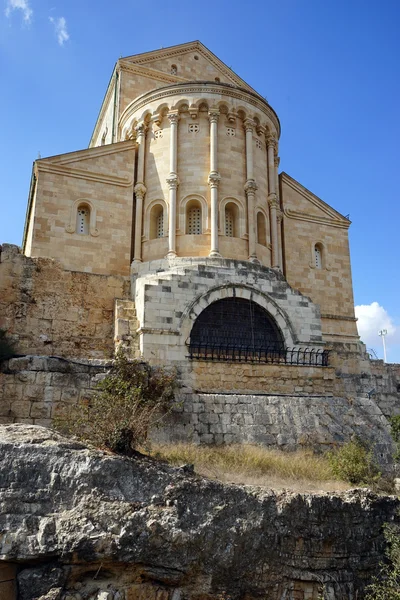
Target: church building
{"points": [[175, 236], [180, 190]]}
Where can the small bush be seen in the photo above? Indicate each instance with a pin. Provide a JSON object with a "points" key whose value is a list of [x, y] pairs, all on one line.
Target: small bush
{"points": [[395, 431], [7, 349], [353, 462], [387, 585], [130, 400]]}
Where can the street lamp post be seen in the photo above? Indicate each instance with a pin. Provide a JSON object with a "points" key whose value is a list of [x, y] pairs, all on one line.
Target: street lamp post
{"points": [[382, 333]]}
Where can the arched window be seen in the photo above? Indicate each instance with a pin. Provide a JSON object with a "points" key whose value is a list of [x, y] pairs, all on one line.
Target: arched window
{"points": [[318, 256], [261, 229], [83, 219], [193, 218], [231, 220], [157, 222], [232, 328]]}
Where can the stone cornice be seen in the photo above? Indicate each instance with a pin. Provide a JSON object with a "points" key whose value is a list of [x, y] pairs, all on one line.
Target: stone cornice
{"points": [[301, 216], [333, 218], [201, 88], [88, 153], [60, 169], [339, 317]]}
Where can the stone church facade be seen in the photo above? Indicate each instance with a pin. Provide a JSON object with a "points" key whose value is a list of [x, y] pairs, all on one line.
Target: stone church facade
{"points": [[175, 236]]}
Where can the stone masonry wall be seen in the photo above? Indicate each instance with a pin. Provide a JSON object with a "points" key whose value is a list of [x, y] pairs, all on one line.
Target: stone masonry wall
{"points": [[47, 310], [286, 422], [35, 389]]}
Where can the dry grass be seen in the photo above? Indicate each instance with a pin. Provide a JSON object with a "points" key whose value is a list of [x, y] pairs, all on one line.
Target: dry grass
{"points": [[301, 471]]}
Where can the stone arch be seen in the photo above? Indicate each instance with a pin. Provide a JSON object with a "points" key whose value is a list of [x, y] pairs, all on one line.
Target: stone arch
{"points": [[223, 107], [148, 217], [162, 109], [182, 102], [241, 214], [240, 291], [232, 325], [182, 211], [71, 225]]}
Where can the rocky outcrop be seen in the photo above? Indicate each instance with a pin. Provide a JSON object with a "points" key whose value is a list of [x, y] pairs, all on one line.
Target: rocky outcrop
{"points": [[83, 524]]}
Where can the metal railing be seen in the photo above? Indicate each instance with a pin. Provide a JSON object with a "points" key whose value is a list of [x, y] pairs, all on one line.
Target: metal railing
{"points": [[311, 357]]}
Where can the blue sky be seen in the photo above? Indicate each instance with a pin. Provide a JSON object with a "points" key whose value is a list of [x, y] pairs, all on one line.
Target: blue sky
{"points": [[330, 68]]}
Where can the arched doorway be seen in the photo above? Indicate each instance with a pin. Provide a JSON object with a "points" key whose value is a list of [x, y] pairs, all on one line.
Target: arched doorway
{"points": [[235, 329]]}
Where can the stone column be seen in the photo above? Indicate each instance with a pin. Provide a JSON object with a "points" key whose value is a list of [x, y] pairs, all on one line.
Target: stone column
{"points": [[279, 218], [172, 181], [213, 180], [250, 188], [272, 200], [279, 214], [140, 191]]}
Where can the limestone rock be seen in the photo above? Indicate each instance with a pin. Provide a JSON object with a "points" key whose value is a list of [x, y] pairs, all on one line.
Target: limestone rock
{"points": [[86, 521]]}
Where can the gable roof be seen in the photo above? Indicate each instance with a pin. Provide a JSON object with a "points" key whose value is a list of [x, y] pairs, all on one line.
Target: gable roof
{"points": [[327, 215], [182, 49]]}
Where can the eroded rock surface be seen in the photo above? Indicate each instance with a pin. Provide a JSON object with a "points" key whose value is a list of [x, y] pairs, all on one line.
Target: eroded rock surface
{"points": [[84, 524]]}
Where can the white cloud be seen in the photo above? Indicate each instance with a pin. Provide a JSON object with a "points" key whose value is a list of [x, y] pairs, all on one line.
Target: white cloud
{"points": [[60, 27], [371, 319], [22, 5]]}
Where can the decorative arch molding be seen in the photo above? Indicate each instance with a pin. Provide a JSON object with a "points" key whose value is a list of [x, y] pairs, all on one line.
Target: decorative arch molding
{"points": [[241, 291], [324, 255], [238, 101], [242, 224], [182, 212], [147, 216], [71, 225]]}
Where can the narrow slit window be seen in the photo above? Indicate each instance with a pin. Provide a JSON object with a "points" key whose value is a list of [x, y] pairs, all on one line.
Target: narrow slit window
{"points": [[229, 223], [318, 257], [82, 220], [194, 221], [160, 225]]}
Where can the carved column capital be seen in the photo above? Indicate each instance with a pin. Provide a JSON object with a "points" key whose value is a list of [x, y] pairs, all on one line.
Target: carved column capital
{"points": [[172, 181], [213, 179], [250, 187], [173, 116], [140, 190], [131, 135], [141, 129], [272, 142], [213, 115], [273, 201], [249, 125]]}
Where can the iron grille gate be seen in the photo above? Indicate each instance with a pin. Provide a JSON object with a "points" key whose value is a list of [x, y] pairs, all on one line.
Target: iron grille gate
{"points": [[235, 329]]}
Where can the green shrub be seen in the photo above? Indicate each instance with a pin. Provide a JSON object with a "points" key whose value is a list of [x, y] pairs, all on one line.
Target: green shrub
{"points": [[353, 462], [387, 585], [7, 349], [395, 431], [131, 399]]}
